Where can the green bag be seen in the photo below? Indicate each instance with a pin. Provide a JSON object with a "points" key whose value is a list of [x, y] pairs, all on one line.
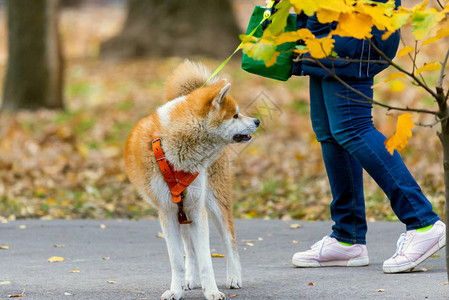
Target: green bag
{"points": [[281, 70]]}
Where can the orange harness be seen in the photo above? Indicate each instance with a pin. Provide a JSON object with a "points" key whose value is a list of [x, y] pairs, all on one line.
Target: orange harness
{"points": [[177, 181]]}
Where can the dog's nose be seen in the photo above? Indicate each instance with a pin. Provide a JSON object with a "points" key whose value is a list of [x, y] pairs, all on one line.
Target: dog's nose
{"points": [[257, 122]]}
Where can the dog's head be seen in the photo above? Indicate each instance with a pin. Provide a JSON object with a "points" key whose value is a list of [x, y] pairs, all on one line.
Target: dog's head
{"points": [[221, 114]]}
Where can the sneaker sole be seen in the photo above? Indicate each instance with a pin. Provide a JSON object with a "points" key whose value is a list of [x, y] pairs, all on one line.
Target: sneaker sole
{"points": [[353, 262], [407, 267]]}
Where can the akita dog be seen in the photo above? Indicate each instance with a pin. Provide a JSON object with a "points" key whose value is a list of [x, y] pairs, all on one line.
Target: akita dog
{"points": [[178, 161]]}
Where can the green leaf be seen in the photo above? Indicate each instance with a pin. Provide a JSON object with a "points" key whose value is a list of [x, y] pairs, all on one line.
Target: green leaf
{"points": [[279, 19], [424, 21]]}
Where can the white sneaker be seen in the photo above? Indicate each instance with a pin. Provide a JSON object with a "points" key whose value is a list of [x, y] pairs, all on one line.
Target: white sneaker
{"points": [[414, 247], [328, 252]]}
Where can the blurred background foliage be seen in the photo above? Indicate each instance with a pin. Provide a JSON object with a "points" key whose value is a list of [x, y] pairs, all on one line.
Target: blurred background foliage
{"points": [[68, 163]]}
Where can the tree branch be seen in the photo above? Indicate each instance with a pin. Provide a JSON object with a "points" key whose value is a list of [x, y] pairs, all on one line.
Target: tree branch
{"points": [[440, 83], [438, 121], [368, 99], [441, 5], [330, 58], [389, 107], [420, 83]]}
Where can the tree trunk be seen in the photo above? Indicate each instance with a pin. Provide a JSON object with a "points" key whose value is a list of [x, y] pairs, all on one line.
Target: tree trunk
{"points": [[175, 28], [34, 72], [444, 138]]}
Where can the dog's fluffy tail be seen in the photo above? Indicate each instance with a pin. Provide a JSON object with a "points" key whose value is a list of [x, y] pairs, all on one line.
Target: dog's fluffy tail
{"points": [[186, 78]]}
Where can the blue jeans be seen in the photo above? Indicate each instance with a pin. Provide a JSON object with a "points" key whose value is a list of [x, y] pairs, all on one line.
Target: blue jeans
{"points": [[350, 142]]}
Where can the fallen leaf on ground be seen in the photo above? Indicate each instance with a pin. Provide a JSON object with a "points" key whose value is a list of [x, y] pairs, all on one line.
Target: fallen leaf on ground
{"points": [[444, 283], [4, 247], [17, 296], [217, 255], [110, 281], [295, 242], [435, 255], [381, 290], [102, 226], [232, 296], [295, 225], [22, 227], [5, 282], [59, 246], [260, 239], [106, 258], [248, 241], [68, 294], [160, 235], [55, 259], [311, 283], [248, 244], [74, 271]]}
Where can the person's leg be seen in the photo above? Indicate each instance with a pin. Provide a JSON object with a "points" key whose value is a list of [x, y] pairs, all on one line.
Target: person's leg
{"points": [[344, 173], [352, 127], [348, 205]]}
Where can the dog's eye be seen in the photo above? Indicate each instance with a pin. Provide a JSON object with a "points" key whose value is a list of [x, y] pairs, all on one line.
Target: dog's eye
{"points": [[236, 116]]}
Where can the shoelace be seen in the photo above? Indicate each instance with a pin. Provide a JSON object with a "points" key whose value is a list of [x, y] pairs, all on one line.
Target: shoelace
{"points": [[400, 244], [320, 244]]}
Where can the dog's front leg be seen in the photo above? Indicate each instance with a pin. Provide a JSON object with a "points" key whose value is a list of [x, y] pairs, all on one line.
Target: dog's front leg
{"points": [[200, 239], [192, 276], [170, 228]]}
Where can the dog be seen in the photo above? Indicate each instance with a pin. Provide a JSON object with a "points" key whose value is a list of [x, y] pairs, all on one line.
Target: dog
{"points": [[189, 135]]}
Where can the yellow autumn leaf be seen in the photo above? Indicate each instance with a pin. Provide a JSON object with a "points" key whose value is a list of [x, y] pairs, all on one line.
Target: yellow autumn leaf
{"points": [[309, 7], [403, 132], [55, 259], [4, 247], [397, 86], [320, 48], [273, 59], [433, 66], [405, 50], [74, 271], [354, 25], [327, 16], [424, 20], [441, 33], [386, 35], [217, 255], [293, 36], [378, 15], [395, 75]]}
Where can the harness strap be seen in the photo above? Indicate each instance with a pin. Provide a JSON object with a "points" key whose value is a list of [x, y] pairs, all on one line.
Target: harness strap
{"points": [[177, 181]]}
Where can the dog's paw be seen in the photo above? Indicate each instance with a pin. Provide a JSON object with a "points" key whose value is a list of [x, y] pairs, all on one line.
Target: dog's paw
{"points": [[191, 284], [234, 282], [214, 295], [172, 295]]}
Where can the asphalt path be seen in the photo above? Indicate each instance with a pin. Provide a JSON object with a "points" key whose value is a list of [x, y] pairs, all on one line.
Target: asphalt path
{"points": [[122, 259]]}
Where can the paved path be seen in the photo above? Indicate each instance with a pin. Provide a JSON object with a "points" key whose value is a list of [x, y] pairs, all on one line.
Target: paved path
{"points": [[130, 256]]}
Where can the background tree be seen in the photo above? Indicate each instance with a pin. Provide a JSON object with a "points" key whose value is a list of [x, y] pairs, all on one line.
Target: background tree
{"points": [[34, 72], [175, 28], [357, 20]]}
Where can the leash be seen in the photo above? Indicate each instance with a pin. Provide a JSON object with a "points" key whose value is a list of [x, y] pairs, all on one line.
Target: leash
{"points": [[266, 15]]}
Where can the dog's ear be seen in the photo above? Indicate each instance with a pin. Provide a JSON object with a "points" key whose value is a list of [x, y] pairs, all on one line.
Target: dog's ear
{"points": [[222, 94]]}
